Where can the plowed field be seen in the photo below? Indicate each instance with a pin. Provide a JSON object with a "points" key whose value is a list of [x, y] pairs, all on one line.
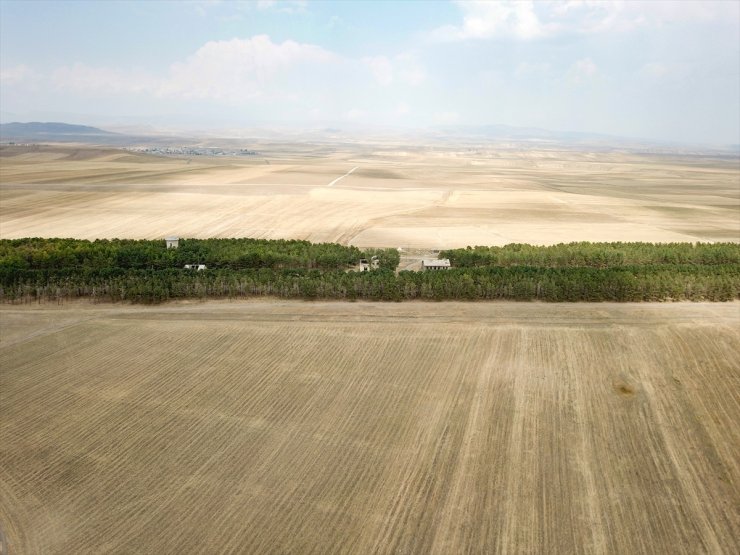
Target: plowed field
{"points": [[423, 197], [279, 427]]}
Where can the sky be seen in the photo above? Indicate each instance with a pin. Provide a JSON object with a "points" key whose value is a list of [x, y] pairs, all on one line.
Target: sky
{"points": [[654, 70]]}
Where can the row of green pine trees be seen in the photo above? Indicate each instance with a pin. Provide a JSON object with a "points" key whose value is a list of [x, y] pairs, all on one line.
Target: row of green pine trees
{"points": [[147, 272]]}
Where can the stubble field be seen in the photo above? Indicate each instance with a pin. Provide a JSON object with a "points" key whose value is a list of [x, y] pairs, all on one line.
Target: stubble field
{"points": [[427, 197], [288, 427]]}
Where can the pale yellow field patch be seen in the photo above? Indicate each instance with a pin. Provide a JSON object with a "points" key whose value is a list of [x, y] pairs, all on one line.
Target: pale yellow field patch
{"points": [[503, 234], [421, 197]]}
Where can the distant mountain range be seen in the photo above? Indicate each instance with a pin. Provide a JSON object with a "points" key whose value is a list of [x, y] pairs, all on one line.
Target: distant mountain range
{"points": [[56, 131]]}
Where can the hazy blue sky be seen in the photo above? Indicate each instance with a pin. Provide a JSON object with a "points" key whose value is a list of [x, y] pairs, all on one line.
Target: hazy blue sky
{"points": [[665, 70]]}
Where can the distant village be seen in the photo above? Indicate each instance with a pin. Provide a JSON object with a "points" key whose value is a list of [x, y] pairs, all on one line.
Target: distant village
{"points": [[193, 151]]}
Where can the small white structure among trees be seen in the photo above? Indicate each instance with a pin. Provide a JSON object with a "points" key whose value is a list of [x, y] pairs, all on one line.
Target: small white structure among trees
{"points": [[172, 242], [435, 264], [366, 265]]}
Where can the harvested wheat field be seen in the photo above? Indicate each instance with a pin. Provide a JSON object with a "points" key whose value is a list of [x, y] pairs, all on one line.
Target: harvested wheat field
{"points": [[371, 196], [288, 427]]}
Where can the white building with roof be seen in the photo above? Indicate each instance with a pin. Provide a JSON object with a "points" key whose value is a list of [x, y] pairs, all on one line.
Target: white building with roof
{"points": [[435, 264]]}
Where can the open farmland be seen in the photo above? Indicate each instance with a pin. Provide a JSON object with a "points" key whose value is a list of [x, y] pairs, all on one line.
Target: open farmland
{"points": [[289, 427], [428, 197]]}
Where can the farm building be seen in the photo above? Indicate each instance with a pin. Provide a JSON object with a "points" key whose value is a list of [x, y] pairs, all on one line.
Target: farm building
{"points": [[372, 264], [435, 264], [172, 242]]}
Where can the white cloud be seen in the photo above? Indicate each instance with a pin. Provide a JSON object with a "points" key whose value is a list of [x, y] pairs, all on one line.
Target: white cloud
{"points": [[201, 7], [409, 70], [238, 68], [402, 109], [95, 80], [19, 74], [414, 76], [283, 6], [483, 20], [233, 10], [231, 71], [590, 17], [234, 72], [583, 70], [526, 20], [585, 67], [404, 68], [381, 68], [668, 11]]}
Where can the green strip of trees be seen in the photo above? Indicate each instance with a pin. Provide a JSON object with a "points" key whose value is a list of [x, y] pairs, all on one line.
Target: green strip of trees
{"points": [[595, 255], [146, 272]]}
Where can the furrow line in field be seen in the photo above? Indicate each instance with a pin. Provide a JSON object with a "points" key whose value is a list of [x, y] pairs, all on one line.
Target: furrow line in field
{"points": [[685, 432], [588, 533], [354, 466], [285, 450], [420, 482], [182, 451], [453, 516]]}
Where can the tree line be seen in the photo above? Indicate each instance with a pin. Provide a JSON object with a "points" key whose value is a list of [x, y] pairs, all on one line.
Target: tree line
{"points": [[235, 254], [595, 255], [146, 272]]}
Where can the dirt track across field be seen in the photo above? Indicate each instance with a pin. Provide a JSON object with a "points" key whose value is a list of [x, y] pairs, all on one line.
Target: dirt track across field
{"points": [[291, 427], [418, 198]]}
